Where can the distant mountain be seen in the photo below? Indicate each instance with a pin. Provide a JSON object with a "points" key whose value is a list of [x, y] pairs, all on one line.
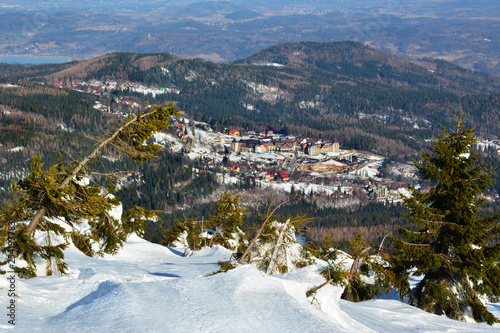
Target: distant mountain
{"points": [[463, 32], [341, 61], [355, 60], [341, 91]]}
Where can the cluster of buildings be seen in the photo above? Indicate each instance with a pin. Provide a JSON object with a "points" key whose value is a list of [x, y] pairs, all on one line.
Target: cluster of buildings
{"points": [[105, 87], [283, 145]]}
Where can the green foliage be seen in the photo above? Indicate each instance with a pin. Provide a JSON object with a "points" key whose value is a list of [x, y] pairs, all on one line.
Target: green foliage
{"points": [[277, 245], [224, 267], [369, 263], [154, 186], [454, 249], [335, 273], [54, 202], [185, 233], [169, 236], [226, 220], [325, 249]]}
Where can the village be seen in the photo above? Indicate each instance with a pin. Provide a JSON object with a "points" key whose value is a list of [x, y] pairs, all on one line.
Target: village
{"points": [[287, 163], [110, 88], [292, 164], [267, 159]]}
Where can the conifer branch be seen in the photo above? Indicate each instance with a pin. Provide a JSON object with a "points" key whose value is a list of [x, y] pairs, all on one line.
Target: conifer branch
{"points": [[254, 240], [132, 131]]}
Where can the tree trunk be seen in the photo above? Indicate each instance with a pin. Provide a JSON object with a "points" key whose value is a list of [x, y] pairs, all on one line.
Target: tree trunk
{"points": [[276, 248], [254, 240], [354, 263], [41, 212], [312, 291]]}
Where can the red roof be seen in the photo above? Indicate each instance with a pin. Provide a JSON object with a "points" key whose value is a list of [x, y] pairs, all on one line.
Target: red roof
{"points": [[283, 175]]}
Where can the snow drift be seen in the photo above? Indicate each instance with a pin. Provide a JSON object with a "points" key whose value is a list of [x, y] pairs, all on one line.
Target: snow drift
{"points": [[148, 287]]}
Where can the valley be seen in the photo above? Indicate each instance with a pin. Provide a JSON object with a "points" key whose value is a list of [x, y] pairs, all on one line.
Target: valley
{"points": [[334, 124], [230, 30]]}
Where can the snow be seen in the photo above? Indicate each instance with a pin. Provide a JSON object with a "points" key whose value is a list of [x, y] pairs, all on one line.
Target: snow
{"points": [[16, 149], [153, 288], [370, 170], [150, 288]]}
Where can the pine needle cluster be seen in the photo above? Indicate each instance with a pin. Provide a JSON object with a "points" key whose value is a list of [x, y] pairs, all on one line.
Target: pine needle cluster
{"points": [[52, 205], [454, 249]]}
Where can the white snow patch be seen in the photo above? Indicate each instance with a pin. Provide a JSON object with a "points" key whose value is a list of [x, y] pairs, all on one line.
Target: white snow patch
{"points": [[16, 149], [149, 287]]}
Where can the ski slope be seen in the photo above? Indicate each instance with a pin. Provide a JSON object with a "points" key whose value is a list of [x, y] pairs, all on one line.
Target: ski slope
{"points": [[150, 288]]}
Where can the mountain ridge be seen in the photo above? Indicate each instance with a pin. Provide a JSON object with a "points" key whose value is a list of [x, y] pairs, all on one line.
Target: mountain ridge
{"points": [[345, 58], [343, 91], [303, 54]]}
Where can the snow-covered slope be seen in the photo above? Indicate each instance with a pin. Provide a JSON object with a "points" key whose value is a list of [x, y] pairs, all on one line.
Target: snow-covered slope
{"points": [[151, 288]]}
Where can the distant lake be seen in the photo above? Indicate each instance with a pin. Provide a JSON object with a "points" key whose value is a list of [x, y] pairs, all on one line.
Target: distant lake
{"points": [[33, 60]]}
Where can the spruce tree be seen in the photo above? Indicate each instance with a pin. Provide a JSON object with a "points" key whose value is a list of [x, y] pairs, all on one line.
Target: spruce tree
{"points": [[52, 204], [226, 220], [452, 248]]}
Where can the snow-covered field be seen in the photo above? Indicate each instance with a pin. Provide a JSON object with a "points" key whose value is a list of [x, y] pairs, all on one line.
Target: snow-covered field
{"points": [[151, 288]]}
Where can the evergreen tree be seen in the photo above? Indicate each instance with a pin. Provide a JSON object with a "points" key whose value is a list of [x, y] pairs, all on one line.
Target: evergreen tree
{"points": [[185, 233], [52, 203], [452, 248], [226, 220]]}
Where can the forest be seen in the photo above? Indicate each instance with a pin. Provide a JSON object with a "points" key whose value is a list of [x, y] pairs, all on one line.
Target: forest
{"points": [[345, 92]]}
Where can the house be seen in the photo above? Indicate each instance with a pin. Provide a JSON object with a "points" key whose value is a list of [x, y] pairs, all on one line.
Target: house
{"points": [[234, 168], [248, 146], [269, 146], [326, 148], [284, 177], [234, 132], [182, 135], [312, 150], [260, 149], [268, 177], [285, 146], [380, 193], [236, 146]]}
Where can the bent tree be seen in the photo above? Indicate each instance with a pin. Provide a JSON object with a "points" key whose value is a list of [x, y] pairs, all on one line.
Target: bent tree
{"points": [[452, 247], [28, 228]]}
